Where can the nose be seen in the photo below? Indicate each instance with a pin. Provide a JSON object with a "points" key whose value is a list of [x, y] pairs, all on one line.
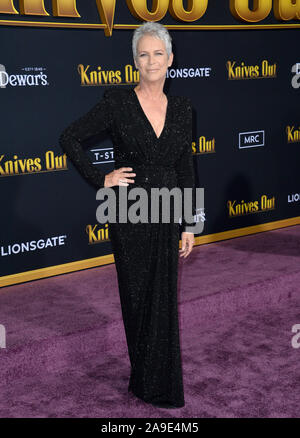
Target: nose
{"points": [[151, 59]]}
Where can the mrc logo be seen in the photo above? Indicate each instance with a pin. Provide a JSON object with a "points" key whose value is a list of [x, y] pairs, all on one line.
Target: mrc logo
{"points": [[251, 139]]}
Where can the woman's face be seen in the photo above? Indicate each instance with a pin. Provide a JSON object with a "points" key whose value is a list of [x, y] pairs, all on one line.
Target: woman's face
{"points": [[152, 58]]}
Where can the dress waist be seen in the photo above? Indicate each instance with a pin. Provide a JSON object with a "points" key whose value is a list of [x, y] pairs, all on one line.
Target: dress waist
{"points": [[152, 174]]}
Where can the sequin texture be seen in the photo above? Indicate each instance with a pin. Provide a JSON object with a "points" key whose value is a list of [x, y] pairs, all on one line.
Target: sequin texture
{"points": [[146, 254]]}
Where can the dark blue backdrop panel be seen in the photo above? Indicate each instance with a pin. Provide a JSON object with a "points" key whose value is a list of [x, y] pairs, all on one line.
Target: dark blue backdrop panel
{"points": [[48, 210]]}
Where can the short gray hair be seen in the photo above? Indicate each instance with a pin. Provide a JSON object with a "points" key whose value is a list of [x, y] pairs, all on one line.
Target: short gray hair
{"points": [[155, 29]]}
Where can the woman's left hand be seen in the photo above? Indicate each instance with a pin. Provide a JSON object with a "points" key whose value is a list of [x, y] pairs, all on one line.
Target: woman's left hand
{"points": [[187, 242]]}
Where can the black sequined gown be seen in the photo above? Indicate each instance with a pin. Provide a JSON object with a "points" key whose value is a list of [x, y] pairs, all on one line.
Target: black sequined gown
{"points": [[146, 254]]}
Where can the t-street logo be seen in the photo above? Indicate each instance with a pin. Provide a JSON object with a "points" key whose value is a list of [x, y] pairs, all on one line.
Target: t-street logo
{"points": [[36, 78]]}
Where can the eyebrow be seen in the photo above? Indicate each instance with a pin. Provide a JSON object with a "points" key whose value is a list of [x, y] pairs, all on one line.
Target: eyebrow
{"points": [[157, 50]]}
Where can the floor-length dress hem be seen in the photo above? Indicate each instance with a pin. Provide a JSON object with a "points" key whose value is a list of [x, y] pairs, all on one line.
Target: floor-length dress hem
{"points": [[158, 403]]}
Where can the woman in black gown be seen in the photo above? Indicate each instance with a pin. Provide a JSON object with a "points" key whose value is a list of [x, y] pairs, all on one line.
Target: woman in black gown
{"points": [[151, 135]]}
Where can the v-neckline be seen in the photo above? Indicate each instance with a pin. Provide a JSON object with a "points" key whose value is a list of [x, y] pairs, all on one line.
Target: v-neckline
{"points": [[146, 118]]}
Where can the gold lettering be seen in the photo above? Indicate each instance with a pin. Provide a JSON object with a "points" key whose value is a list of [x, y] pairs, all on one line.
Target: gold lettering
{"points": [[106, 9], [65, 8], [205, 146], [95, 236], [131, 75], [230, 206], [267, 204], [192, 11], [7, 7], [293, 135], [287, 9], [18, 166], [53, 162], [240, 10], [139, 9], [33, 7], [242, 208], [196, 9], [82, 71], [243, 71], [268, 69], [98, 77]]}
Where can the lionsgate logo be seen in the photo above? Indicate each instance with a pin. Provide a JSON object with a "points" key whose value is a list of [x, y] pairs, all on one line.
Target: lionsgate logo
{"points": [[293, 197], [32, 245], [184, 203], [251, 139], [189, 72], [29, 77]]}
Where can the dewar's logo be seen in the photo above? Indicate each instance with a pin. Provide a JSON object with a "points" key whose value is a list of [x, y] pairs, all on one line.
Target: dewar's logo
{"points": [[29, 77]]}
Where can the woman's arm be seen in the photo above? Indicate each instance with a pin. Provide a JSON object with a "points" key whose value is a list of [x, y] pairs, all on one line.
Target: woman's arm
{"points": [[184, 165], [98, 118]]}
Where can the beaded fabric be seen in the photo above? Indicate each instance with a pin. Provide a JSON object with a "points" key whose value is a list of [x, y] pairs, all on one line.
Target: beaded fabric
{"points": [[146, 254]]}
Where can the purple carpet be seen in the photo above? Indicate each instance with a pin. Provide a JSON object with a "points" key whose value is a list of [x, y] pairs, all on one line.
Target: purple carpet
{"points": [[66, 352]]}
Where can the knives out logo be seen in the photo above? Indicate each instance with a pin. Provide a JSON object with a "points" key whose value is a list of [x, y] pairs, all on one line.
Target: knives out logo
{"points": [[204, 146], [283, 10], [293, 135], [92, 77], [243, 208], [20, 166], [257, 71], [97, 234]]}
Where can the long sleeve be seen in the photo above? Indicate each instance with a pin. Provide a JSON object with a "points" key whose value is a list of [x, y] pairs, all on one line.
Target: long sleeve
{"points": [[98, 118], [184, 165]]}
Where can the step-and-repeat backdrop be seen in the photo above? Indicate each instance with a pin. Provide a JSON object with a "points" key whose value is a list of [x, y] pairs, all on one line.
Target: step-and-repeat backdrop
{"points": [[239, 65]]}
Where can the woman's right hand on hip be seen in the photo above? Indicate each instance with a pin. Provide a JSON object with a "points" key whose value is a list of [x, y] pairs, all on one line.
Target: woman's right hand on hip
{"points": [[119, 177]]}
